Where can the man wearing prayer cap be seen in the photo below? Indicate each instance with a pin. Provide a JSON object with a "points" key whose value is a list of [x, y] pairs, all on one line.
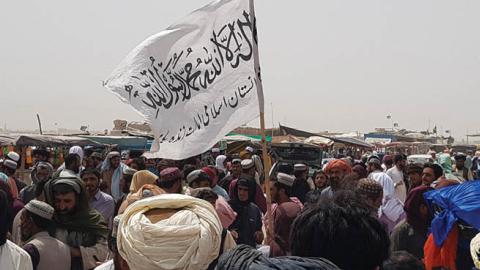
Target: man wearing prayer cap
{"points": [[198, 179], [391, 212], [47, 253], [16, 185], [14, 156], [76, 224], [170, 180], [248, 173], [336, 170], [300, 187], [461, 171], [171, 231], [283, 215]]}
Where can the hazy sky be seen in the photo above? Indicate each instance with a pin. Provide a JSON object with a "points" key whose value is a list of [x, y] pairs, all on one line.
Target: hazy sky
{"points": [[326, 65]]}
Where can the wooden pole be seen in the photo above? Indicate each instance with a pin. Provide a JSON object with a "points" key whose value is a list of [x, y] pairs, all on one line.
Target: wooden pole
{"points": [[267, 166]]}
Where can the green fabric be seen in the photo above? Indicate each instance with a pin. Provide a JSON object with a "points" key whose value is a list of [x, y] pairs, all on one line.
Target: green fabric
{"points": [[446, 162], [84, 219], [257, 137]]}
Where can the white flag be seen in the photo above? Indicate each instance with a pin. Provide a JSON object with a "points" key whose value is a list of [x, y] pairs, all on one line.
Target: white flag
{"points": [[195, 81]]}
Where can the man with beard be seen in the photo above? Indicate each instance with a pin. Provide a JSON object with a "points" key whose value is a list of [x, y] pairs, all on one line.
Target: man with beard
{"points": [[82, 228], [72, 165], [234, 173], [461, 171], [98, 200], [47, 253], [283, 215], [248, 173], [300, 187], [414, 173], [397, 176], [247, 227], [112, 169], [336, 170], [41, 173]]}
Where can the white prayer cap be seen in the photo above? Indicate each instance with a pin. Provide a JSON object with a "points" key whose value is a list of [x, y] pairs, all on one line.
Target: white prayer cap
{"points": [[249, 149], [40, 209], [299, 167], [215, 150], [285, 179], [197, 174], [247, 164], [10, 164], [13, 156], [76, 150]]}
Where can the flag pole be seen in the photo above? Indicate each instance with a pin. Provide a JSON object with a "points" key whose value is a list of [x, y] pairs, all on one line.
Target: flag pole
{"points": [[267, 166], [266, 159]]}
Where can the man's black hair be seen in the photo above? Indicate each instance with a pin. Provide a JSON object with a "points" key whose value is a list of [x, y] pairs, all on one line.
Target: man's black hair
{"points": [[140, 163], [287, 189], [71, 159], [402, 260], [343, 231], [399, 157], [167, 184], [41, 222], [437, 169], [91, 171]]}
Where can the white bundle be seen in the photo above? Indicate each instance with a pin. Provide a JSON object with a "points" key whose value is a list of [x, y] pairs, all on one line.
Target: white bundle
{"points": [[189, 239]]}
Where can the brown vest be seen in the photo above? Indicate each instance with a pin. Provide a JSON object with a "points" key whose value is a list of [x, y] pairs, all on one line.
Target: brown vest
{"points": [[54, 255]]}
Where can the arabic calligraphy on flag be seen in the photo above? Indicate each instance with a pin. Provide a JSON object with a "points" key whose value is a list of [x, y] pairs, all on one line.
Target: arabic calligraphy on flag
{"points": [[195, 81]]}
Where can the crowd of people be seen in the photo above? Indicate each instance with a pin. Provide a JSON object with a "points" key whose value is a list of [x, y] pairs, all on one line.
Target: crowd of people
{"points": [[104, 212]]}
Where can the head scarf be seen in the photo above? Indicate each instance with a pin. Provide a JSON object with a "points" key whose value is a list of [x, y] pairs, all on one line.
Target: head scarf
{"points": [[446, 162], [189, 239], [41, 164], [412, 208], [84, 219], [338, 164], [141, 178], [117, 174], [212, 174], [219, 162]]}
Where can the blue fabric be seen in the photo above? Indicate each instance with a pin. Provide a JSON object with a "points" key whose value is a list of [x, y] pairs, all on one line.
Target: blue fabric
{"points": [[457, 202]]}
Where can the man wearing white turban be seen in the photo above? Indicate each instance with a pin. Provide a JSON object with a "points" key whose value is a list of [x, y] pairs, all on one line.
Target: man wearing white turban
{"points": [[171, 231]]}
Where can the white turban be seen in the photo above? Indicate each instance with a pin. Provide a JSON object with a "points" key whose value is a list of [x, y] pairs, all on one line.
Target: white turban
{"points": [[189, 239]]}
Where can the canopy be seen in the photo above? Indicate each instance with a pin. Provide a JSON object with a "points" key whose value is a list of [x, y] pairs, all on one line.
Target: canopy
{"points": [[123, 142], [45, 141], [457, 202]]}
